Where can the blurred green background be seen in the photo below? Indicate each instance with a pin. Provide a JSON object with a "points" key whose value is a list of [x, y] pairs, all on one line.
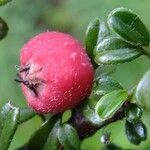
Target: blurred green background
{"points": [[27, 18]]}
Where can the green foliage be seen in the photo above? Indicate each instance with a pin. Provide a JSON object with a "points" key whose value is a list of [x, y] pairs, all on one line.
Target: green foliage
{"points": [[129, 26], [105, 85], [103, 32], [3, 28], [92, 36], [26, 114], [141, 130], [68, 137], [111, 146], [38, 139], [110, 49], [131, 134], [52, 142], [104, 70], [114, 50], [3, 2], [89, 113], [110, 103], [105, 49], [142, 93], [9, 116], [133, 113], [136, 132]]}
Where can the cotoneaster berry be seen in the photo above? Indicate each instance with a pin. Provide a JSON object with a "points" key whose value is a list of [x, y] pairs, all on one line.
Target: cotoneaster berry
{"points": [[55, 72]]}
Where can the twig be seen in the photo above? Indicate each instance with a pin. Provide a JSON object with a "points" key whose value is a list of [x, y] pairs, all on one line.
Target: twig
{"points": [[86, 129]]}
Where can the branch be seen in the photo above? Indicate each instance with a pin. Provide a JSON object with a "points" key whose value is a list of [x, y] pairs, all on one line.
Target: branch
{"points": [[86, 129]]}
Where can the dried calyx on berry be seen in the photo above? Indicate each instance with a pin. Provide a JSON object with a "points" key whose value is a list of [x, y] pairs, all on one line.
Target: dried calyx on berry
{"points": [[24, 77]]}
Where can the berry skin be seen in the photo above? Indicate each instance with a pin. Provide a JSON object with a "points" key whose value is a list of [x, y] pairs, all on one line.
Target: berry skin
{"points": [[55, 72]]}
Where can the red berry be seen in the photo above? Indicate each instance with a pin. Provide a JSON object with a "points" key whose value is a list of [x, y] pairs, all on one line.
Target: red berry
{"points": [[55, 72]]}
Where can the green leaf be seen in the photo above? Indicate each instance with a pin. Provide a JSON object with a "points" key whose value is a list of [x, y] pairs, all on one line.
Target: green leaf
{"points": [[52, 142], [142, 93], [141, 130], [133, 113], [39, 138], [90, 114], [66, 116], [3, 2], [9, 117], [68, 137], [131, 133], [26, 114], [103, 32], [104, 70], [105, 85], [113, 50], [3, 113], [92, 36], [111, 146], [129, 26], [110, 103], [136, 132], [3, 28]]}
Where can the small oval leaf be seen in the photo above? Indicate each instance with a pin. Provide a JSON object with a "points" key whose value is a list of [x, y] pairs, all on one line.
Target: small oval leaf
{"points": [[129, 26], [39, 138], [26, 114], [136, 132], [90, 114], [105, 85], [142, 93], [68, 137], [104, 70], [3, 28], [52, 142], [3, 113], [92, 36], [133, 113], [131, 133], [111, 146], [113, 50], [9, 117], [103, 32], [141, 130], [110, 103]]}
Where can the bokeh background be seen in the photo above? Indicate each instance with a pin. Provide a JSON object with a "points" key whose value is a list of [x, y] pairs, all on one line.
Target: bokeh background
{"points": [[27, 18]]}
